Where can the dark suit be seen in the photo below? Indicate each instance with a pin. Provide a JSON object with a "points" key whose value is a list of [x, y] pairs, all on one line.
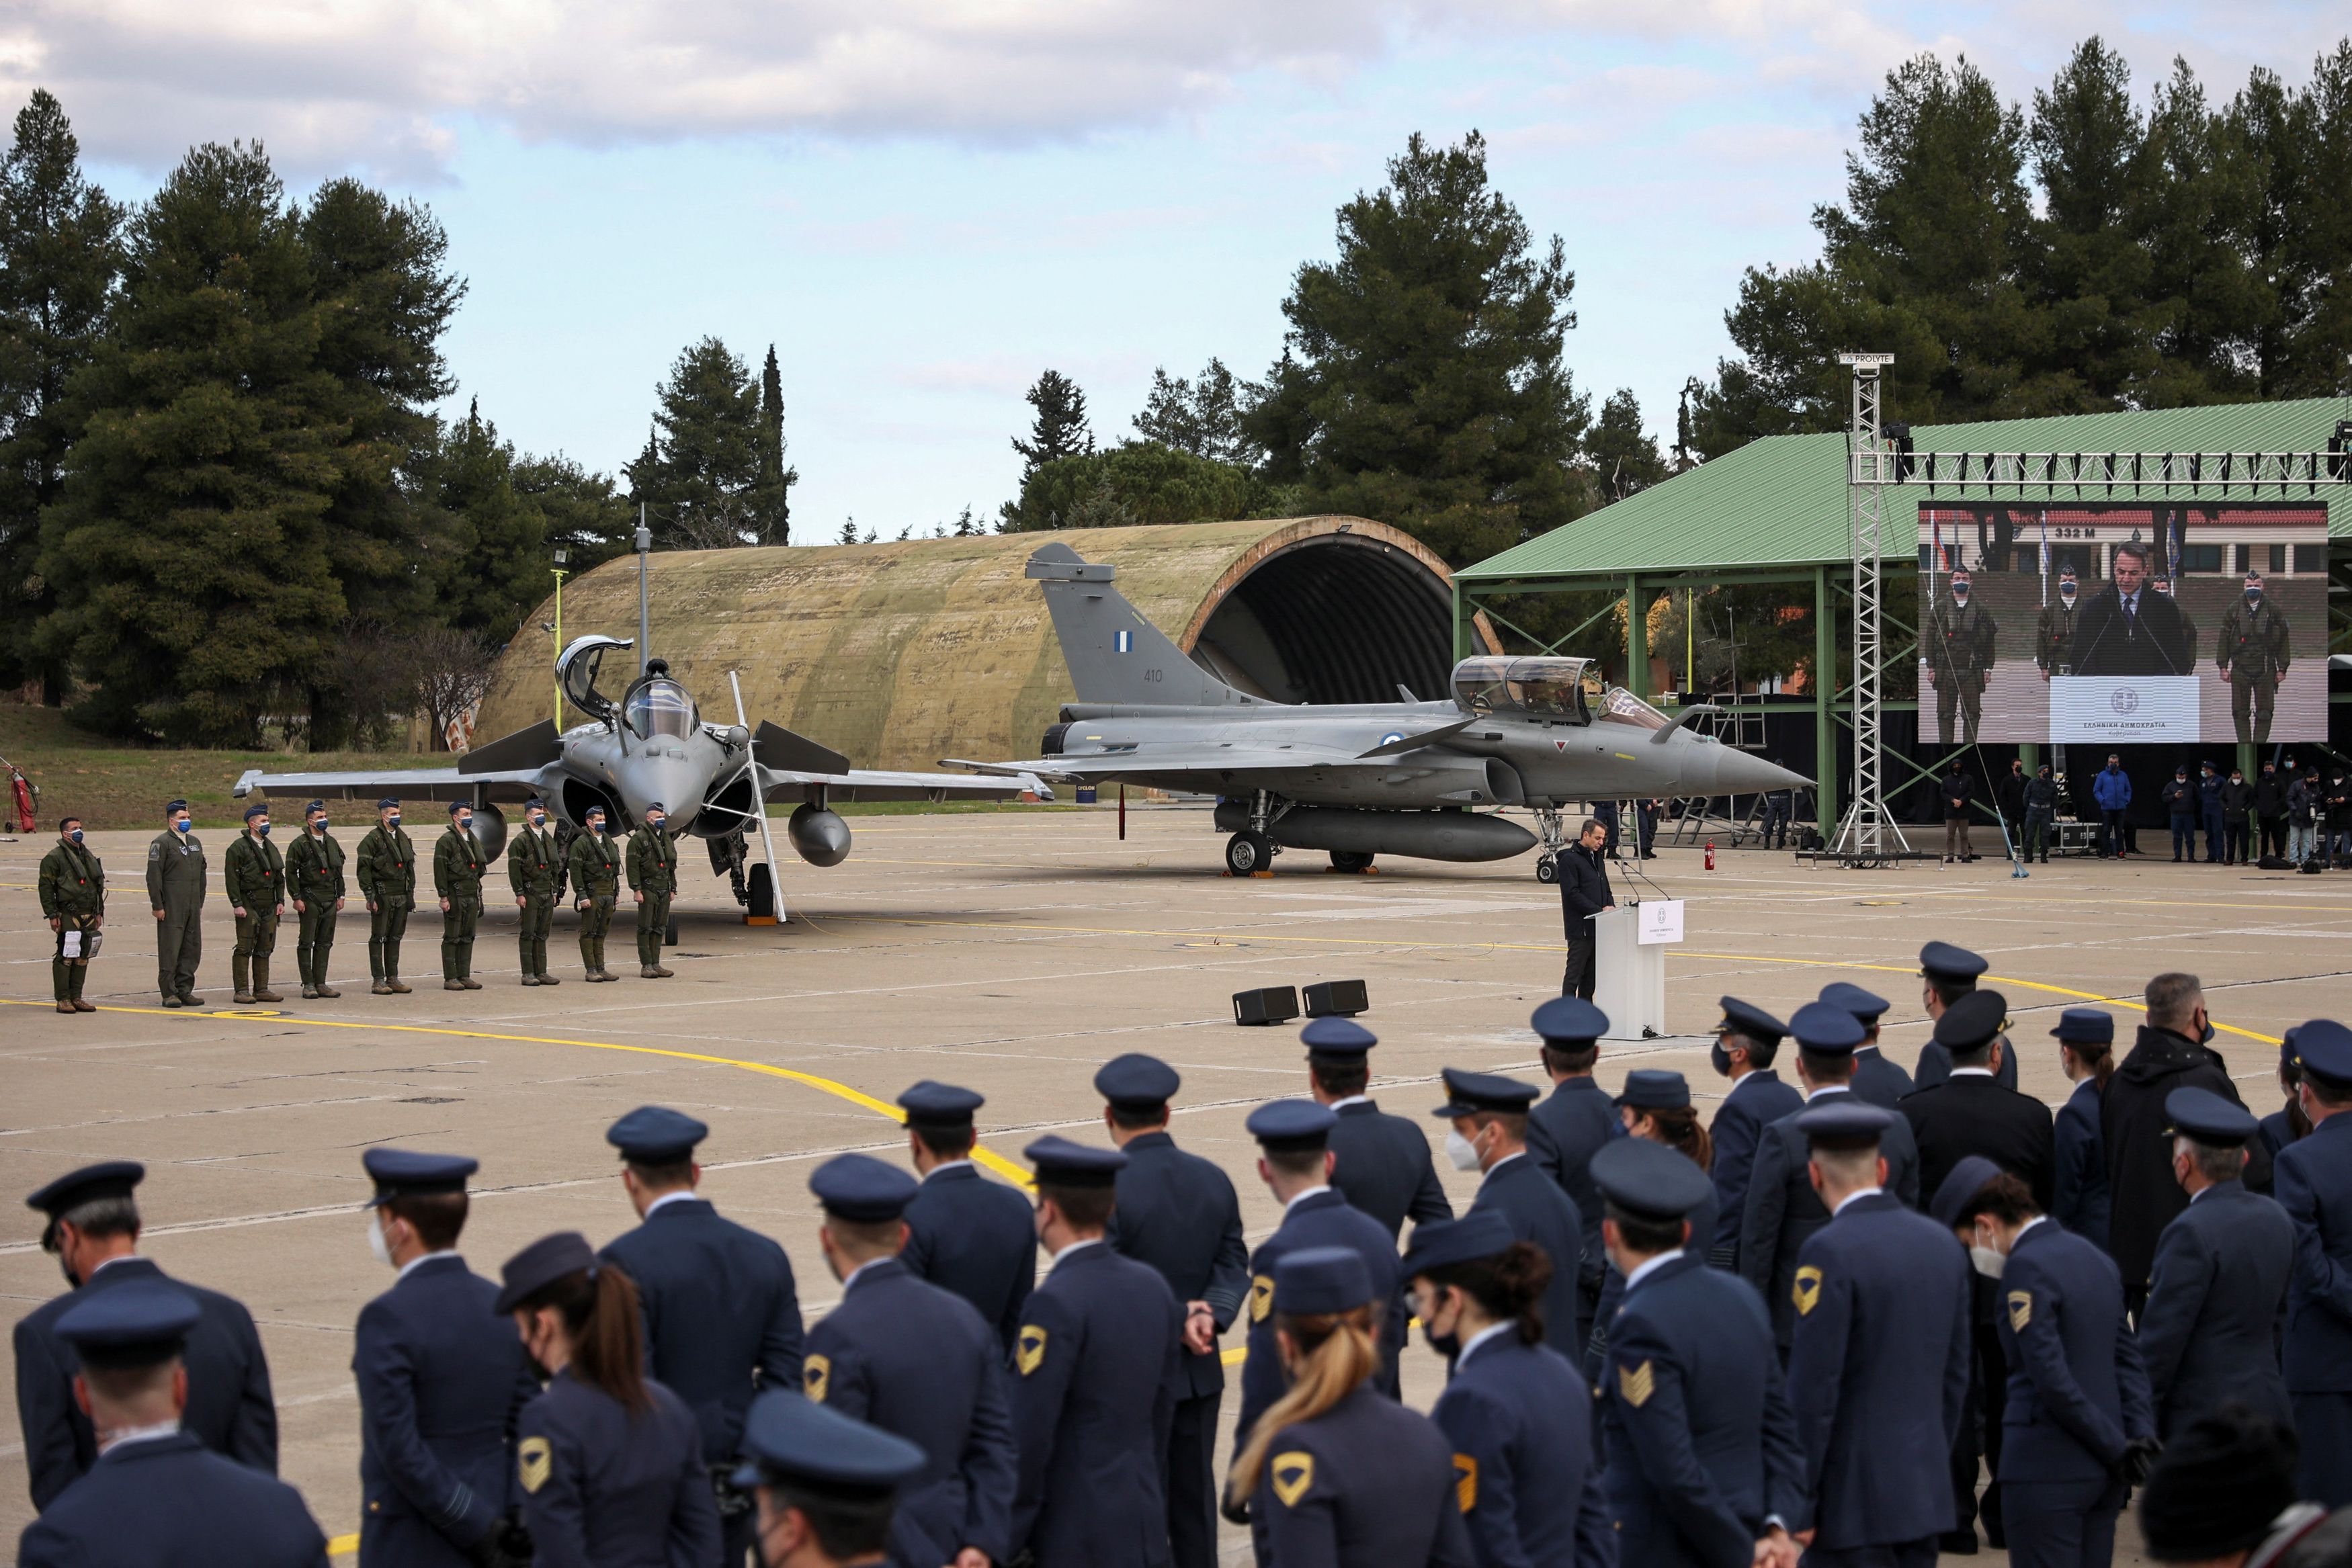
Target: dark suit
{"points": [[1878, 1079], [1784, 1211], [2314, 1188], [1565, 1130], [916, 1360], [1097, 1364], [977, 1238], [1757, 1099], [2216, 1307], [443, 1378], [1384, 1168], [1320, 1218], [603, 1486], [1367, 1482], [1612, 1292], [230, 1410], [1520, 1415], [1878, 1374], [2154, 641], [1583, 894], [173, 1503], [1936, 1065], [1180, 1213], [2142, 1197], [1542, 1213], [2079, 1190]]}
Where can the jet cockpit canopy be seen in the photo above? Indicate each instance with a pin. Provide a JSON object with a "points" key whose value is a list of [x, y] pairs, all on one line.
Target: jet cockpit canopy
{"points": [[1565, 690], [577, 666], [658, 706]]}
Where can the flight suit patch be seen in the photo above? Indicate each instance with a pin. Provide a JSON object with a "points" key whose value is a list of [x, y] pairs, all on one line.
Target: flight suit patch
{"points": [[1293, 1474], [1636, 1383], [816, 1371], [1808, 1291], [1465, 1482], [2020, 1310], [1031, 1353], [536, 1458], [1261, 1297]]}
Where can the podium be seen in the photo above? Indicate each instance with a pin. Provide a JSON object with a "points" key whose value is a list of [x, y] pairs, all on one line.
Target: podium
{"points": [[1630, 959]]}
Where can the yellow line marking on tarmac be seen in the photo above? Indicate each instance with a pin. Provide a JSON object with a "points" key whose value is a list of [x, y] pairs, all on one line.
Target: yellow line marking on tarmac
{"points": [[343, 1545]]}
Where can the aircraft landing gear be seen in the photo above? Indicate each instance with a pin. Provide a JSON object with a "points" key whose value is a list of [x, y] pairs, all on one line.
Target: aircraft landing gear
{"points": [[669, 932], [1547, 870], [1555, 839], [1353, 862], [1248, 852]]}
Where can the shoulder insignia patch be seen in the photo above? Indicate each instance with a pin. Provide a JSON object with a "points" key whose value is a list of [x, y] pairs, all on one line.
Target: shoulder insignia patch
{"points": [[536, 1458], [1031, 1351], [1261, 1297], [1808, 1291], [2020, 1310], [1293, 1474], [816, 1372], [1637, 1383], [1465, 1482]]}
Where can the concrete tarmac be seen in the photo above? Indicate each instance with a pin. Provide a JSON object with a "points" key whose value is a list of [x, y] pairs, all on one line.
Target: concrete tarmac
{"points": [[1010, 953]]}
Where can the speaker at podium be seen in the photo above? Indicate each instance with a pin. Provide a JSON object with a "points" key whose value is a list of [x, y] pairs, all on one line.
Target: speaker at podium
{"points": [[1630, 944]]}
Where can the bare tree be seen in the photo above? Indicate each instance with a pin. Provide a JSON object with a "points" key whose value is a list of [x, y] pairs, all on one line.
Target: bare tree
{"points": [[731, 522], [451, 669]]}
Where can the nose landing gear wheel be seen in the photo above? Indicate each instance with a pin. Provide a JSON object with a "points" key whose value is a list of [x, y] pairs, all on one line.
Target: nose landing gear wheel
{"points": [[1547, 870], [1350, 861], [1247, 853]]}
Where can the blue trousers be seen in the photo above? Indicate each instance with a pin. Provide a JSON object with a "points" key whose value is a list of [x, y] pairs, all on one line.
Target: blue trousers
{"points": [[2213, 832], [2324, 1422], [1918, 1554], [2184, 838], [2060, 1524]]}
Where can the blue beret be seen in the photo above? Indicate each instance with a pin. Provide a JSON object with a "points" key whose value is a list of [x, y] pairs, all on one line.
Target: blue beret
{"points": [[1467, 1093], [1570, 1020], [1970, 1022], [387, 804], [1942, 961], [656, 1136], [1337, 1037], [1291, 1124], [1967, 1180], [107, 1178], [931, 1105], [534, 801], [792, 1439], [1655, 1088], [1843, 1120], [403, 1173], [1648, 1179], [862, 1189], [591, 811], [172, 806], [314, 806], [1745, 1018], [1318, 1280], [256, 810], [2324, 1047], [133, 1325], [1826, 1029], [458, 806], [1137, 1080], [1066, 1164], [2201, 1114], [540, 1265], [1863, 1005], [1441, 1243], [2085, 1026]]}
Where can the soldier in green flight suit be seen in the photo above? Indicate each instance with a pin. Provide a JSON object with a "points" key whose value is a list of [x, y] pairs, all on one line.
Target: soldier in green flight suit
{"points": [[595, 867], [73, 901], [534, 866], [653, 873], [458, 879], [2054, 632], [388, 878], [254, 875], [1958, 643], [314, 875], [2254, 651], [175, 890]]}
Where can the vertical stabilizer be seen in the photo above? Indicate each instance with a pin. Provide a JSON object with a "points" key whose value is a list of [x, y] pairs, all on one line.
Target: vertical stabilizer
{"points": [[1115, 655]]}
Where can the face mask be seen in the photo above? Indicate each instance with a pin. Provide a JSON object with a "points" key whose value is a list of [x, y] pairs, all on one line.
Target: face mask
{"points": [[2205, 1035], [376, 1243], [180, 824], [1461, 1151], [1987, 1262], [1445, 1345], [2254, 596], [391, 820], [75, 835], [319, 824], [2067, 593], [1960, 596], [262, 829], [1719, 1058], [538, 819], [464, 824], [655, 822]]}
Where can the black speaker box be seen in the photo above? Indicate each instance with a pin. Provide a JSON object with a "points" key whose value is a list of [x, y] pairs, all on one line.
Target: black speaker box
{"points": [[1335, 999], [1275, 1004]]}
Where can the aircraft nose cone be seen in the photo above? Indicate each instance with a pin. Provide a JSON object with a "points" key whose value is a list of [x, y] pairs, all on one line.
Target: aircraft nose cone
{"points": [[1738, 773], [645, 779]]}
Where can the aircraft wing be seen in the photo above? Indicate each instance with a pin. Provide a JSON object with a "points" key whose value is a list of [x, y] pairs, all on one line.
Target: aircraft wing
{"points": [[1206, 757], [878, 784], [399, 783]]}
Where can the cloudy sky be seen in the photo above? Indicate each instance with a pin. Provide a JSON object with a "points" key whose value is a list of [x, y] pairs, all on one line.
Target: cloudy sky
{"points": [[922, 203]]}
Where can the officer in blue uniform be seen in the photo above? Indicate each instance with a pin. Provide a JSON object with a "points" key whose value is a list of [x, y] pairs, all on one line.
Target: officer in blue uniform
{"points": [[1095, 1365], [1566, 1129], [915, 1360], [1295, 1161], [1746, 1041], [1180, 1213], [94, 1230], [1516, 1412], [2313, 1177], [1946, 974], [1784, 1209], [2286, 1124], [2086, 1039], [722, 1313], [825, 1485], [1704, 1467], [1876, 1078], [965, 1233], [1384, 1166], [1489, 1114], [156, 1493], [1878, 1362], [2078, 1430], [442, 1381], [2217, 1298], [1653, 1097]]}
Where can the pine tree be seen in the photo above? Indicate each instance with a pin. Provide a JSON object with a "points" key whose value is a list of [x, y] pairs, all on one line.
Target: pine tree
{"points": [[699, 475], [2090, 265], [489, 546], [1059, 430], [2210, 301], [1202, 417], [1624, 456]]}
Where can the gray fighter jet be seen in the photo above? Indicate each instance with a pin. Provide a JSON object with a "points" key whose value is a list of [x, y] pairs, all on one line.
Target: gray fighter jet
{"points": [[1410, 778], [653, 745]]}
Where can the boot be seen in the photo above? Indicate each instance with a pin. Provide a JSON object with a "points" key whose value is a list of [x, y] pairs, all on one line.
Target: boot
{"points": [[309, 991], [61, 984], [240, 972], [548, 979], [318, 974], [170, 1002], [65, 1006], [261, 991], [647, 972], [529, 978], [661, 973], [396, 985], [77, 976], [453, 984], [383, 988], [588, 957]]}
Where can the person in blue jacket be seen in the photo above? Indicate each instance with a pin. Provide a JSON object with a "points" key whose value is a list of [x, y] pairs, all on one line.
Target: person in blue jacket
{"points": [[1746, 1041], [824, 1484], [1570, 1126], [1656, 1106], [2209, 807], [964, 1232], [2110, 788], [2086, 1039], [1489, 1113], [2314, 1185], [1876, 1078], [2288, 1124], [1946, 973]]}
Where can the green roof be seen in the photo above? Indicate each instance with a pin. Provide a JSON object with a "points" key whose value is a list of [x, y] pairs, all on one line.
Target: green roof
{"points": [[1783, 501]]}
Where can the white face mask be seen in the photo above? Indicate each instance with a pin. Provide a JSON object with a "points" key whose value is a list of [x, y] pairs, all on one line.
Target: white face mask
{"points": [[1988, 1262], [1461, 1151], [376, 1243]]}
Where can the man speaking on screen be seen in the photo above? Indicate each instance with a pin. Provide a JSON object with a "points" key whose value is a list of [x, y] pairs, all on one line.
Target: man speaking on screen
{"points": [[2127, 629]]}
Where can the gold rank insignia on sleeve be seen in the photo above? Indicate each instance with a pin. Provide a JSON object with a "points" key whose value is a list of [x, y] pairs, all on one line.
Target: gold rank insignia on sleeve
{"points": [[1032, 1348], [1293, 1474], [1637, 1383], [1261, 1297], [1465, 1482], [816, 1372], [1808, 1291], [2020, 1310], [536, 1458]]}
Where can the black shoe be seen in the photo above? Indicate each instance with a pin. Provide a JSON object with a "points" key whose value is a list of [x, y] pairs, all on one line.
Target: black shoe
{"points": [[1956, 1544]]}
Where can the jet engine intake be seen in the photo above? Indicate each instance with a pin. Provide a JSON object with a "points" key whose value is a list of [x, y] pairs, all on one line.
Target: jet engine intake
{"points": [[819, 836], [490, 829], [1424, 835], [728, 808]]}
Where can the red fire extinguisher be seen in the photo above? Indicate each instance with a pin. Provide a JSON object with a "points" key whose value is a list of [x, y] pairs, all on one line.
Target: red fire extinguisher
{"points": [[1710, 854], [25, 796]]}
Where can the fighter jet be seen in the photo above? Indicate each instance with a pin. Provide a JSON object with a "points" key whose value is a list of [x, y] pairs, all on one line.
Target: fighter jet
{"points": [[653, 745], [1411, 778]]}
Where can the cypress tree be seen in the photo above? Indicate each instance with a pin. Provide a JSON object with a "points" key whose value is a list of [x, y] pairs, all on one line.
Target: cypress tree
{"points": [[772, 509]]}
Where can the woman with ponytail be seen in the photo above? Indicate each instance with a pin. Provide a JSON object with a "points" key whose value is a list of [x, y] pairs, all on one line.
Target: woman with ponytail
{"points": [[2086, 1039], [1518, 1415], [1334, 1475], [1656, 1105], [609, 1460]]}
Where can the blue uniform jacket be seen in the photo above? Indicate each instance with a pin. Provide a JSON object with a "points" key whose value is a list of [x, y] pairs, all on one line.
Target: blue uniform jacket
{"points": [[1612, 1293], [604, 1488], [2276, 1131], [173, 1503], [2314, 1177], [1366, 1481], [916, 1360], [1936, 1065], [1565, 1130], [1384, 1167], [2079, 1200], [443, 1380], [1180, 1213], [1755, 1101], [1877, 1079], [2216, 1307], [1784, 1211], [1519, 1418], [2077, 1392], [1542, 1213], [1092, 1402], [978, 1239], [1319, 1218], [723, 1318], [230, 1409], [1878, 1372], [1702, 1447]]}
